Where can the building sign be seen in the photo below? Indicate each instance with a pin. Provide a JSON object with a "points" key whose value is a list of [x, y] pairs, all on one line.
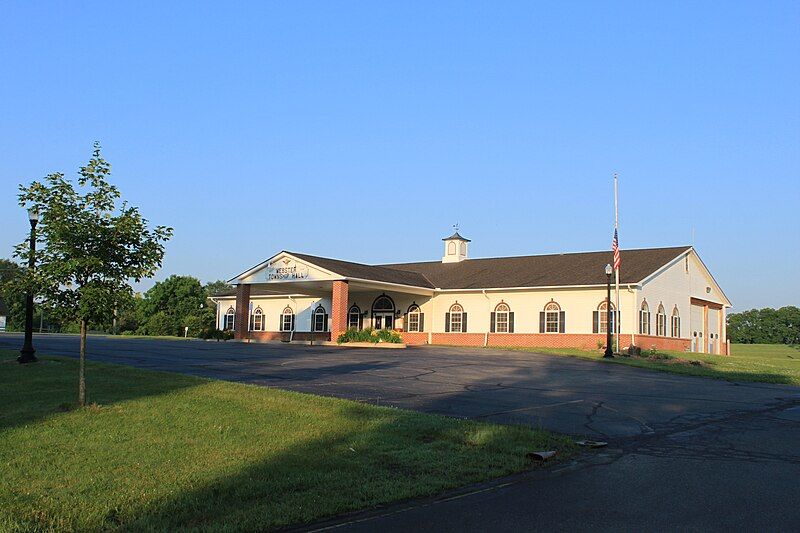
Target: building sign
{"points": [[285, 270]]}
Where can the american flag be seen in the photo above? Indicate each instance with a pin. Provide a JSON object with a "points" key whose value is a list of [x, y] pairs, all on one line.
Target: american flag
{"points": [[615, 249]]}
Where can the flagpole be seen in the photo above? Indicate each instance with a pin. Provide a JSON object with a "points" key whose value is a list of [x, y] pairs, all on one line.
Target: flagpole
{"points": [[617, 324]]}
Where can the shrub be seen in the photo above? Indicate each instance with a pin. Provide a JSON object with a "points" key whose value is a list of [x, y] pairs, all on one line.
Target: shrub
{"points": [[634, 350], [387, 335], [214, 333], [369, 335]]}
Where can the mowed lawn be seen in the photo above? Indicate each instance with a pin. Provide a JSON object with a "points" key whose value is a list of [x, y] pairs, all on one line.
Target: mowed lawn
{"points": [[159, 451], [766, 363]]}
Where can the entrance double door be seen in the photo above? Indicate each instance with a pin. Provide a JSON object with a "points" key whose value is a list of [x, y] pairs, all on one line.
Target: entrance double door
{"points": [[382, 320]]}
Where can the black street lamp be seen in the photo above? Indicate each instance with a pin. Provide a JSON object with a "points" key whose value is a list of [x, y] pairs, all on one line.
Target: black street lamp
{"points": [[27, 352], [609, 352]]}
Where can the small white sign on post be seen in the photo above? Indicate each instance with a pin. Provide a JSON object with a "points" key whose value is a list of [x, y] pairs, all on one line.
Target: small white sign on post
{"points": [[185, 332]]}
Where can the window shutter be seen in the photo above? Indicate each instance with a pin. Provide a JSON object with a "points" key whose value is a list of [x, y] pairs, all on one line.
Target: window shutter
{"points": [[617, 322], [595, 321], [511, 322], [463, 322], [447, 322], [541, 321], [421, 322], [562, 326], [405, 322], [492, 316], [292, 328], [325, 322]]}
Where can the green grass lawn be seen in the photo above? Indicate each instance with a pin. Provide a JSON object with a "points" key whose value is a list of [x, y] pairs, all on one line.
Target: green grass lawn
{"points": [[767, 363], [159, 451]]}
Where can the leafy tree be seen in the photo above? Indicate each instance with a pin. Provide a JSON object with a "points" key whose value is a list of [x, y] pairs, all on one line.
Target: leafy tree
{"points": [[179, 301], [765, 326], [91, 246], [11, 293], [216, 288]]}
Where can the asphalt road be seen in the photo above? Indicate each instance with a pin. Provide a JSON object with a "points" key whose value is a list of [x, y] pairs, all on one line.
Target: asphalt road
{"points": [[684, 453]]}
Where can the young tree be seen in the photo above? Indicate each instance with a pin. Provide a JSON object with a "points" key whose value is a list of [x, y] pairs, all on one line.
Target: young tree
{"points": [[92, 246]]}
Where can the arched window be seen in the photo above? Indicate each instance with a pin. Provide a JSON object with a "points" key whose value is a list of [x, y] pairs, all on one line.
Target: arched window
{"points": [[455, 321], [287, 319], [257, 320], [463, 248], [502, 319], [644, 319], [414, 319], [661, 321], [601, 318], [451, 248], [676, 322], [383, 303], [551, 320], [354, 317], [383, 312], [228, 319], [320, 319]]}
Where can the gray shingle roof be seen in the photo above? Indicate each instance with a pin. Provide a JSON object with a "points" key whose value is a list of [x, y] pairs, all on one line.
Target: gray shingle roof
{"points": [[585, 268], [370, 272], [569, 269], [456, 236]]}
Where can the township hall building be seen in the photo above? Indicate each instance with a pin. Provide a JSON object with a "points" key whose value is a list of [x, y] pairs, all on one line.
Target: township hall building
{"points": [[668, 300]]}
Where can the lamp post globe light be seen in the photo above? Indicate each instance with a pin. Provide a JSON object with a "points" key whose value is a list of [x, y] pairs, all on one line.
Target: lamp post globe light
{"points": [[27, 353], [609, 352]]}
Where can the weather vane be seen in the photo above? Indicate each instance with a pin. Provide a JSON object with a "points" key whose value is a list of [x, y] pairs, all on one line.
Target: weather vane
{"points": [[455, 227]]}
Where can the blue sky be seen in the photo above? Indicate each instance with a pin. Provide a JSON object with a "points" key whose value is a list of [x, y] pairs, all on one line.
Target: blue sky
{"points": [[363, 131]]}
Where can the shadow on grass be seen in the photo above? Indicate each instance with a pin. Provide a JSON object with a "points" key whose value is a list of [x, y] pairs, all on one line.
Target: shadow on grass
{"points": [[35, 391], [404, 455]]}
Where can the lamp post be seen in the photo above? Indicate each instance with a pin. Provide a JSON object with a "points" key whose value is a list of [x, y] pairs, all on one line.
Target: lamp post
{"points": [[609, 352], [27, 352]]}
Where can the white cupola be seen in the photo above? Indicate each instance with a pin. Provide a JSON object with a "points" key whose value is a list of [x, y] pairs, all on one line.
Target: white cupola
{"points": [[455, 248]]}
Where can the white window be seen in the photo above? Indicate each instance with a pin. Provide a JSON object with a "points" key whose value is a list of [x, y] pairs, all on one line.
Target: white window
{"points": [[456, 318], [354, 317], [413, 319], [451, 248], [501, 318], [257, 320], [287, 319], [552, 318], [228, 319], [602, 317], [644, 319], [676, 322], [320, 322], [661, 321], [463, 248]]}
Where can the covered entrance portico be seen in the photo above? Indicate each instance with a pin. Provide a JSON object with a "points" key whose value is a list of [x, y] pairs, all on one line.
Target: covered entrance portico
{"points": [[299, 299]]}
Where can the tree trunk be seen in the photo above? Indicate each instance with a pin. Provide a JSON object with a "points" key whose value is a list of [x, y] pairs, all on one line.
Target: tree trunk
{"points": [[82, 367]]}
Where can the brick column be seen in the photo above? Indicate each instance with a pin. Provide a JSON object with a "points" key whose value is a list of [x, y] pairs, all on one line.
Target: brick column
{"points": [[242, 320], [339, 296]]}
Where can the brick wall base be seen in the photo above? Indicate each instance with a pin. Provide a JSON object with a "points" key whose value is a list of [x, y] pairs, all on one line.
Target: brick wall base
{"points": [[414, 338], [645, 342], [561, 340], [588, 341], [263, 336]]}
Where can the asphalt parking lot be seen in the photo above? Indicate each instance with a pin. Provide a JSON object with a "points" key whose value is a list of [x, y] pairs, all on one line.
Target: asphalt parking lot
{"points": [[684, 453]]}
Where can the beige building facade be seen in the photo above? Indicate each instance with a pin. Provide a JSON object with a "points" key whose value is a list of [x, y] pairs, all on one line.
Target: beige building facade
{"points": [[668, 300]]}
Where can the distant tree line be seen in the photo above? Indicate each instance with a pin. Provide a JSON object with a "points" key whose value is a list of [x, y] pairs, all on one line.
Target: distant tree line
{"points": [[165, 309], [765, 326]]}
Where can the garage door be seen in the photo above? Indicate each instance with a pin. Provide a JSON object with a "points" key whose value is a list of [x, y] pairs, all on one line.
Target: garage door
{"points": [[696, 323]]}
